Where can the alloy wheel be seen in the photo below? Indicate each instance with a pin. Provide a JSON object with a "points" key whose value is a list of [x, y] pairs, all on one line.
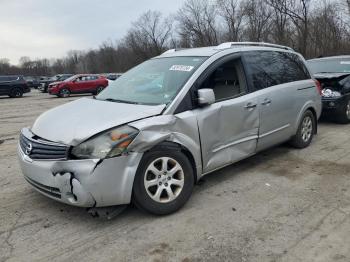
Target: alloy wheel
{"points": [[347, 110], [64, 93], [306, 129], [164, 179]]}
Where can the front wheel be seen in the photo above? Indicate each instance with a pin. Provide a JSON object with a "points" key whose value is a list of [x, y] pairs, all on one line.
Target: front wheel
{"points": [[306, 131], [163, 183], [98, 90], [64, 92], [343, 115], [16, 92]]}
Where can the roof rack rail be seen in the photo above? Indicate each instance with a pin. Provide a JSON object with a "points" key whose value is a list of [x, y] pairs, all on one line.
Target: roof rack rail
{"points": [[232, 44], [172, 50]]}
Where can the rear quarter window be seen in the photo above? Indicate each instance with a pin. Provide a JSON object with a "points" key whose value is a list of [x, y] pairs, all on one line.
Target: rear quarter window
{"points": [[3, 78], [269, 68], [13, 78]]}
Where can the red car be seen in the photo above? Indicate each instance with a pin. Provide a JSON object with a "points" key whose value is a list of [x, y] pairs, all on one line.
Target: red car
{"points": [[78, 84]]}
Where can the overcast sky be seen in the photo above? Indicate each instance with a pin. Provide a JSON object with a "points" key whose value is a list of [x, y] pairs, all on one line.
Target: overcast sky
{"points": [[50, 28]]}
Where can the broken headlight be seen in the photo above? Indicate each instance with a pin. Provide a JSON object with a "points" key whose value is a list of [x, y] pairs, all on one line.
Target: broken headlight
{"points": [[330, 93], [107, 144]]}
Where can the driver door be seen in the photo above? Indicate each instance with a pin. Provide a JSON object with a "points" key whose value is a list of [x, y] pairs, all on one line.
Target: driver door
{"points": [[229, 127]]}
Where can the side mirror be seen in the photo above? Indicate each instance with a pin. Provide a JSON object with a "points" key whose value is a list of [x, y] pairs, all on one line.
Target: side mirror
{"points": [[206, 96]]}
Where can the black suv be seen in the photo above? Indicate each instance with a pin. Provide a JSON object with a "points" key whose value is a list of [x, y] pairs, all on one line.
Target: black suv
{"points": [[334, 75], [57, 78], [13, 86]]}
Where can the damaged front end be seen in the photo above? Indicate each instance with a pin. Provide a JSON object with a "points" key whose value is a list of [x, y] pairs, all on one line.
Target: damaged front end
{"points": [[335, 89], [84, 182]]}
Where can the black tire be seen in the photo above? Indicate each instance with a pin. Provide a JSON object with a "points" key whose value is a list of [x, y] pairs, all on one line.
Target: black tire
{"points": [[16, 92], [98, 90], [304, 135], [141, 196], [64, 92], [343, 114]]}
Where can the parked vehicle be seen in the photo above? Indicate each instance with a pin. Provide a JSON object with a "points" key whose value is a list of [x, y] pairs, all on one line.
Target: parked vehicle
{"points": [[112, 76], [32, 81], [57, 78], [214, 106], [13, 86], [334, 76], [78, 84]]}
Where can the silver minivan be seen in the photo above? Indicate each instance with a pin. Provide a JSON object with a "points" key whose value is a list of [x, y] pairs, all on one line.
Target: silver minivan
{"points": [[163, 125]]}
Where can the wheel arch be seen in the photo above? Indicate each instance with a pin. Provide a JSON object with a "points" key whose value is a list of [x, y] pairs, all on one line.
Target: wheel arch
{"points": [[170, 145], [308, 106]]}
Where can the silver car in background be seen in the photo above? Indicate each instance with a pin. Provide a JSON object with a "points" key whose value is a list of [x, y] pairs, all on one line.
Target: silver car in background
{"points": [[160, 127]]}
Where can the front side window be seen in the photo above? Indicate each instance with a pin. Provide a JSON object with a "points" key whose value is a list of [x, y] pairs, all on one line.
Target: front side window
{"points": [[270, 68], [69, 79], [154, 82], [225, 81]]}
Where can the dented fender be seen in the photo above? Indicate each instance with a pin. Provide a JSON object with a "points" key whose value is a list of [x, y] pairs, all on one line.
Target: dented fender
{"points": [[181, 129]]}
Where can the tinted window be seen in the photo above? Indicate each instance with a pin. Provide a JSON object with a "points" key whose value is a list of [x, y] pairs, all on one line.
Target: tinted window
{"points": [[3, 78], [225, 81], [14, 78], [271, 68]]}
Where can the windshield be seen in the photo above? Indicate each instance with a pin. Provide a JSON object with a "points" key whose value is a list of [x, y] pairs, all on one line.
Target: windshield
{"points": [[339, 65], [154, 82], [54, 78], [69, 79]]}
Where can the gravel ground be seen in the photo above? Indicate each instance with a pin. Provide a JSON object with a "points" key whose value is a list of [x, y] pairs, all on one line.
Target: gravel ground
{"points": [[280, 205]]}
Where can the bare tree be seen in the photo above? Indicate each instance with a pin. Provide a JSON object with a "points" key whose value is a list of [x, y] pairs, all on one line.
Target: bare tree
{"points": [[197, 23], [299, 13], [328, 32], [281, 28], [150, 34], [232, 14], [258, 15]]}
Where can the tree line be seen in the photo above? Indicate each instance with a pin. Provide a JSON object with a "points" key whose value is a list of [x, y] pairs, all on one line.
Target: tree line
{"points": [[315, 28]]}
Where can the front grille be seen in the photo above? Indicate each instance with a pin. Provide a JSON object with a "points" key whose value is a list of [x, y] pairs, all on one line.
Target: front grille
{"points": [[52, 191], [45, 150]]}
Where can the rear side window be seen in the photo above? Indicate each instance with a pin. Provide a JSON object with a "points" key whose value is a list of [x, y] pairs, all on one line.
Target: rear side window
{"points": [[3, 78], [269, 68]]}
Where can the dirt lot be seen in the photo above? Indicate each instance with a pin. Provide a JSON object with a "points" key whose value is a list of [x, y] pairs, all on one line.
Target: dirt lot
{"points": [[280, 205]]}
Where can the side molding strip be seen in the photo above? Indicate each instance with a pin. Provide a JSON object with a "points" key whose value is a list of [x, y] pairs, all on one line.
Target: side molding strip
{"points": [[274, 131], [235, 143]]}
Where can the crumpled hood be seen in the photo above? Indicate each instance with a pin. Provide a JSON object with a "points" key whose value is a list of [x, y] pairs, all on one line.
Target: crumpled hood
{"points": [[76, 121], [329, 75]]}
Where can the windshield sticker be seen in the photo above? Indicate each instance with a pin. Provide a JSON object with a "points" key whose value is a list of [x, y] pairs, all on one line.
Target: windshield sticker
{"points": [[345, 62], [182, 68]]}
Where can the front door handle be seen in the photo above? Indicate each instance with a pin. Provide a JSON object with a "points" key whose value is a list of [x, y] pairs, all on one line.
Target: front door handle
{"points": [[250, 106], [266, 102]]}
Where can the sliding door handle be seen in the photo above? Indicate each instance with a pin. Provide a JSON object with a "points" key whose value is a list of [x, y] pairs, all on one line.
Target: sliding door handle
{"points": [[250, 106], [266, 102]]}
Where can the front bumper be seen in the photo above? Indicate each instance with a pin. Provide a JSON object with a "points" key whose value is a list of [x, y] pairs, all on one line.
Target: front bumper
{"points": [[333, 103], [26, 89], [83, 183], [53, 91]]}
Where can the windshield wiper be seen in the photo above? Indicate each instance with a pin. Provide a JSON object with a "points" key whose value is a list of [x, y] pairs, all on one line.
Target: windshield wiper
{"points": [[121, 101]]}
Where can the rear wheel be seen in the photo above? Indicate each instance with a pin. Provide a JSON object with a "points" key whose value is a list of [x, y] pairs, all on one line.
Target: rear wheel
{"points": [[163, 182], [343, 115], [306, 131], [16, 92], [64, 92]]}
